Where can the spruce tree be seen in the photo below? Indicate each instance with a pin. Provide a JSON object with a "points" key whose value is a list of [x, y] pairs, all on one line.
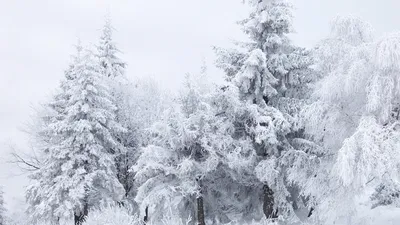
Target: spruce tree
{"points": [[111, 65], [79, 171], [46, 114], [271, 74], [114, 68]]}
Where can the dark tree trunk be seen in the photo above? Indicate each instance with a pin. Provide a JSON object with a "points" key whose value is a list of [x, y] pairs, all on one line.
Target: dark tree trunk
{"points": [[146, 215], [77, 219], [311, 212], [200, 205], [80, 217], [268, 203], [200, 211]]}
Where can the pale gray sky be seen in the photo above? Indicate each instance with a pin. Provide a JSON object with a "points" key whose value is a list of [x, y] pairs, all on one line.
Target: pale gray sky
{"points": [[164, 39]]}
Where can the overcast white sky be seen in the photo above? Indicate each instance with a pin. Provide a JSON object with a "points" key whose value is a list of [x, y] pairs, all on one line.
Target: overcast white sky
{"points": [[159, 38]]}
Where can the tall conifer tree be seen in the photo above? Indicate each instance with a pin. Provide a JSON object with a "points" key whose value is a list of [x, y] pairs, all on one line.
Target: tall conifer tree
{"points": [[79, 172], [271, 74]]}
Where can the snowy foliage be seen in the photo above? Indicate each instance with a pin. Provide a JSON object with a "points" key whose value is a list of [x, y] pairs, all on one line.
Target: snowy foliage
{"points": [[2, 208], [351, 30], [112, 215], [112, 66], [274, 78], [347, 33], [195, 144], [47, 113], [293, 136], [355, 118], [79, 171], [178, 157], [140, 103], [254, 79]]}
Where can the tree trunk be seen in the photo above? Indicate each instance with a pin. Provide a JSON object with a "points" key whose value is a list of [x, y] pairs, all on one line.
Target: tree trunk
{"points": [[311, 212], [200, 206], [200, 211], [146, 215], [57, 222], [268, 204], [80, 217], [77, 219]]}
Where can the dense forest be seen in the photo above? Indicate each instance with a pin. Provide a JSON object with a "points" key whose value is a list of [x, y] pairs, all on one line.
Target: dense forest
{"points": [[292, 135]]}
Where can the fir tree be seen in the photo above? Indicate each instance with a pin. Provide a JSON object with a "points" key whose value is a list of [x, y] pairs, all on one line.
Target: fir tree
{"points": [[112, 66], [46, 114], [272, 74], [79, 172]]}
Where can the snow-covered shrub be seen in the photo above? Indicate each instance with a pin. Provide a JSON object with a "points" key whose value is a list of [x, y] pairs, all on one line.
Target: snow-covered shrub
{"points": [[262, 222], [113, 215]]}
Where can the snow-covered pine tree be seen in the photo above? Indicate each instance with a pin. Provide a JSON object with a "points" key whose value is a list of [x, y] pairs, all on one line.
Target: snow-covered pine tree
{"points": [[111, 65], [114, 68], [272, 75], [45, 114], [79, 172], [2, 208], [55, 108]]}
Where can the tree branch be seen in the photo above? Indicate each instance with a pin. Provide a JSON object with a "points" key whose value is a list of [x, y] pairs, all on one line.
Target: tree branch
{"points": [[25, 162]]}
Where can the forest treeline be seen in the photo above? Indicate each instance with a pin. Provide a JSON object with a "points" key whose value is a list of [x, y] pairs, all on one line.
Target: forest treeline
{"points": [[292, 136]]}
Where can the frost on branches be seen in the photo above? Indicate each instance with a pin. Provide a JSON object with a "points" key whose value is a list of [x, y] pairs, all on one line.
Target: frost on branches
{"points": [[140, 103], [171, 169], [53, 110], [273, 77], [356, 119], [111, 65], [291, 137], [2, 209], [194, 164], [79, 172], [113, 68]]}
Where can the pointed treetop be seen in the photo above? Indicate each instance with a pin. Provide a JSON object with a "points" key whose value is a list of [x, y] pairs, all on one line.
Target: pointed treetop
{"points": [[79, 50], [70, 73], [112, 65], [107, 27], [81, 162], [78, 46], [203, 69]]}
